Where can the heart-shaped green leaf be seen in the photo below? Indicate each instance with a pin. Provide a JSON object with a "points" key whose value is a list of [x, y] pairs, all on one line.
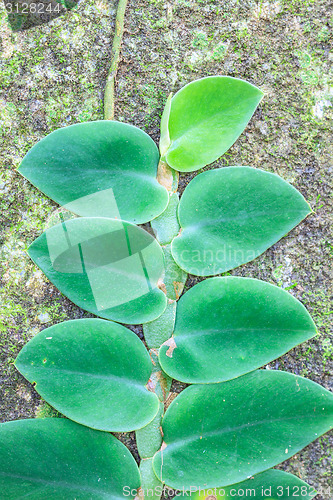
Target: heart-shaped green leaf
{"points": [[231, 215], [108, 267], [221, 434], [205, 119], [94, 372], [272, 484], [99, 169], [226, 327], [56, 459]]}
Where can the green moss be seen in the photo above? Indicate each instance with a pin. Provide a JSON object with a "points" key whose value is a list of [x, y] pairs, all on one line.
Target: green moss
{"points": [[44, 410]]}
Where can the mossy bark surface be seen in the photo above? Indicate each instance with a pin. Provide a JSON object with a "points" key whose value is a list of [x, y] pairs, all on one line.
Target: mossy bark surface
{"points": [[54, 75]]}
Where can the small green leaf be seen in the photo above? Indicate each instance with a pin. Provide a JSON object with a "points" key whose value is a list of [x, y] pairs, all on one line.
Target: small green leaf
{"points": [[272, 484], [54, 459], [166, 225], [94, 372], [108, 267], [231, 215], [221, 434], [160, 330], [206, 118], [99, 169], [226, 327], [151, 487]]}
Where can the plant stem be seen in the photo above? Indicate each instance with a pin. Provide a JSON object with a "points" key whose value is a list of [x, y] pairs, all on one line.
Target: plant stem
{"points": [[167, 177], [166, 228], [115, 51]]}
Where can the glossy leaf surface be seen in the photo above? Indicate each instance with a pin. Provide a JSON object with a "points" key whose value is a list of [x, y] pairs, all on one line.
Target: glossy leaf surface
{"points": [[226, 327], [205, 119], [94, 372], [272, 484], [99, 169], [56, 459], [231, 215], [108, 267], [220, 434]]}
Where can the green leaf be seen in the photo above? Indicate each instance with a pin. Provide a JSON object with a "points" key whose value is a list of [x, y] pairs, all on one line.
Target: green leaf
{"points": [[110, 268], [272, 484], [231, 215], [160, 330], [56, 459], [206, 118], [226, 327], [151, 487], [94, 372], [99, 169], [166, 225], [149, 438], [175, 277], [221, 434]]}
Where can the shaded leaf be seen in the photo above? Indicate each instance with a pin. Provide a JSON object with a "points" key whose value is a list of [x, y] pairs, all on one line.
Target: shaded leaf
{"points": [[108, 267], [231, 215], [56, 459], [206, 118], [94, 372], [99, 169], [221, 434], [226, 327]]}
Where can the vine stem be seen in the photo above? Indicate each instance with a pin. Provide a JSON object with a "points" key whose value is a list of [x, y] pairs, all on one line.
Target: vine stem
{"points": [[115, 51]]}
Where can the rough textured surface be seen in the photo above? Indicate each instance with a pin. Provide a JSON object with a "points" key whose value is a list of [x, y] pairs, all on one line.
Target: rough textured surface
{"points": [[53, 75]]}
